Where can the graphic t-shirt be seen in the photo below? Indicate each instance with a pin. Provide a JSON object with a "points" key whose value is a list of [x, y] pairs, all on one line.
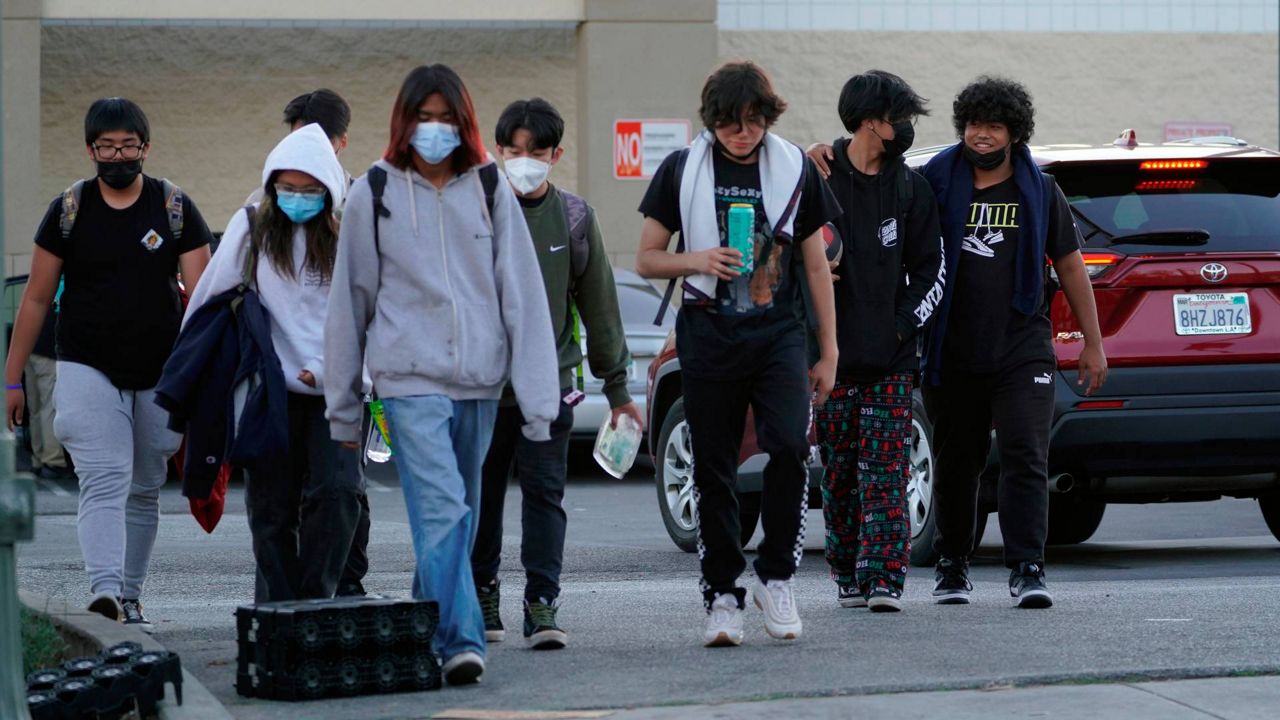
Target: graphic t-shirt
{"points": [[120, 310], [984, 332], [721, 333]]}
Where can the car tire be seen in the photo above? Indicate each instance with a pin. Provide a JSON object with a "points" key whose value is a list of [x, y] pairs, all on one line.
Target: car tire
{"points": [[748, 514], [1270, 506], [673, 475], [1073, 518], [920, 508]]}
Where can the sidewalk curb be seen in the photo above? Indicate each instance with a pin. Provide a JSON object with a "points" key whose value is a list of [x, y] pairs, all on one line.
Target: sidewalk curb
{"points": [[92, 632]]}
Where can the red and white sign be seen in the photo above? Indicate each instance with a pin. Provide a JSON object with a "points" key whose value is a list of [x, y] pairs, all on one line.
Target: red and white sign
{"points": [[640, 146], [1180, 130]]}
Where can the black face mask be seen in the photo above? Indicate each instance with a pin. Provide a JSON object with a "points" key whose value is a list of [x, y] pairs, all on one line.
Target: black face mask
{"points": [[985, 161], [904, 133], [119, 175]]}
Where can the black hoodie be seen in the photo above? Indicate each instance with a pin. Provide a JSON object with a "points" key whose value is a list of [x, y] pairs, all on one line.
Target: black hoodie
{"points": [[892, 271]]}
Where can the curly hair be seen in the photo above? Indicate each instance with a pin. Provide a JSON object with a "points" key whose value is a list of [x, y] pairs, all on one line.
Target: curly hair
{"points": [[995, 99], [736, 89]]}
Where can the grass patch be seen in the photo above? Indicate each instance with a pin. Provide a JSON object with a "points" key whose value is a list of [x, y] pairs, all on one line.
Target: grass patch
{"points": [[42, 644]]}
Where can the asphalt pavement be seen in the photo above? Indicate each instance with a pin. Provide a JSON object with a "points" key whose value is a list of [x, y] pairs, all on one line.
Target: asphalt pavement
{"points": [[1162, 591]]}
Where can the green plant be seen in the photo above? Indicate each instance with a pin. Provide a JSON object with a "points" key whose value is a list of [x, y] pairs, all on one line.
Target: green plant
{"points": [[42, 644]]}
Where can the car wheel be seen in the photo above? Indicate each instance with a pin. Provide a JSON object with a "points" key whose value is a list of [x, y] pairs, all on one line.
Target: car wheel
{"points": [[1270, 505], [748, 514], [920, 487], [673, 473], [1073, 518]]}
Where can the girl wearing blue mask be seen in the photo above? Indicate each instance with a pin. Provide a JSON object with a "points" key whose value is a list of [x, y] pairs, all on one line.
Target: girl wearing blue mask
{"points": [[443, 297], [304, 516]]}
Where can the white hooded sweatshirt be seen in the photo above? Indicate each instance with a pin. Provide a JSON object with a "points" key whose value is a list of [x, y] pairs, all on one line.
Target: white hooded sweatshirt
{"points": [[297, 305]]}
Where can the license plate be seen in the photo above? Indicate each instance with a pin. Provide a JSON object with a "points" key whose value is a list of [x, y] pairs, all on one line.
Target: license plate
{"points": [[1212, 314]]}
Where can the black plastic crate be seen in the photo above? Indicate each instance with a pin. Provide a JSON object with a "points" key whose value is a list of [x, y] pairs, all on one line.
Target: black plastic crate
{"points": [[400, 670]]}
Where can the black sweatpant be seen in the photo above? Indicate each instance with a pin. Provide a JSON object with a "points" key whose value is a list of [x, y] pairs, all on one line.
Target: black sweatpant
{"points": [[716, 409], [1018, 403], [303, 516], [541, 468]]}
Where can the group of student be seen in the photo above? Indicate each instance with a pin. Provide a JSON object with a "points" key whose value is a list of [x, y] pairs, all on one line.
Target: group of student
{"points": [[415, 284]]}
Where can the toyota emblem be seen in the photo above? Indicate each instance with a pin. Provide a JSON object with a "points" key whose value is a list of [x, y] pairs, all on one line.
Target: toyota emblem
{"points": [[1214, 272]]}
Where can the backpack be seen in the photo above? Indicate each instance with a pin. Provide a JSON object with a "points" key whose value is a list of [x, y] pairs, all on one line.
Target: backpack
{"points": [[173, 202]]}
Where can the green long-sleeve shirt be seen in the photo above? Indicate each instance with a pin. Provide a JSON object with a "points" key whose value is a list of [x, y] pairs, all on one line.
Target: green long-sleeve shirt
{"points": [[594, 294]]}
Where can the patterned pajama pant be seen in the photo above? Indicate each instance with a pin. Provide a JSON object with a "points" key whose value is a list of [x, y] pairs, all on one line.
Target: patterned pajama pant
{"points": [[866, 433]]}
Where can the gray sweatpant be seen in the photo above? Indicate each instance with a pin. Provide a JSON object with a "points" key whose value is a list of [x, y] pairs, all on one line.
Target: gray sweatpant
{"points": [[120, 443]]}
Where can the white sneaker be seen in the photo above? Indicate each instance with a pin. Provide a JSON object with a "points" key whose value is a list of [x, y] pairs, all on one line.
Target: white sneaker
{"points": [[465, 668], [724, 623], [778, 601]]}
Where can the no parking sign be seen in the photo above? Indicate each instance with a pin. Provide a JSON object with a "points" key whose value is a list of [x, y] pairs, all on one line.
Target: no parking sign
{"points": [[639, 146]]}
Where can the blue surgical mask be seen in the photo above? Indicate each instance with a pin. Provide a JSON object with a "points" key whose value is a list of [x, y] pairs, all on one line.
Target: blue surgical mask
{"points": [[435, 141], [299, 207]]}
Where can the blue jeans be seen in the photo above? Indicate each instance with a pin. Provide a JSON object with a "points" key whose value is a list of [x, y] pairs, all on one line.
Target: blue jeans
{"points": [[439, 447]]}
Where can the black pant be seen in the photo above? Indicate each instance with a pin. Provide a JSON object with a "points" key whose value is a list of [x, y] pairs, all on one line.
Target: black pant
{"points": [[357, 565], [1018, 403], [541, 468], [715, 408], [303, 515]]}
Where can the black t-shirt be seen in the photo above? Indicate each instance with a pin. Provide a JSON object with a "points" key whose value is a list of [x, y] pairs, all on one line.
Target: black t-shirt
{"points": [[724, 332], [120, 309], [984, 332]]}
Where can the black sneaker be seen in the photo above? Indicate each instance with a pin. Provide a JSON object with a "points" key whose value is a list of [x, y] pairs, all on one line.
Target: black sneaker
{"points": [[850, 596], [131, 615], [489, 608], [951, 582], [540, 627], [884, 599], [1026, 584]]}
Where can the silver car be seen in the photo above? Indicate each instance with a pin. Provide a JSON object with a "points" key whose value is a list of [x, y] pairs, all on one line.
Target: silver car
{"points": [[638, 301]]}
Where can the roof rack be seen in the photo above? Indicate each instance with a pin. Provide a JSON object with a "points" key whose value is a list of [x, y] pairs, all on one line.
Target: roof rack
{"points": [[1210, 140]]}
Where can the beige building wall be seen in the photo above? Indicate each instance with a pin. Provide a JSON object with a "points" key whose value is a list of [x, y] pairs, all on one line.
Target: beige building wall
{"points": [[1086, 87], [214, 95]]}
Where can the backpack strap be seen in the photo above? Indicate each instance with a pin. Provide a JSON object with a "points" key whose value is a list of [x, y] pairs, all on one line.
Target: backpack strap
{"points": [[173, 202], [489, 181], [377, 178], [681, 159], [575, 217], [249, 271], [906, 195], [70, 208]]}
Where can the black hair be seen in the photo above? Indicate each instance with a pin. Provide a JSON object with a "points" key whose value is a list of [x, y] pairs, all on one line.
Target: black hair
{"points": [[738, 89], [537, 116], [115, 113], [995, 99], [878, 95], [322, 106]]}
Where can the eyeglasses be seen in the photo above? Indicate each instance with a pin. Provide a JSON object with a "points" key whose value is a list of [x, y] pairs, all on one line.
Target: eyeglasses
{"points": [[308, 191], [111, 152]]}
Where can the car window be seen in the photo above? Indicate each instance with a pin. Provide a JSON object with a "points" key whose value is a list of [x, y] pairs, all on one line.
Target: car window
{"points": [[638, 305], [1237, 202]]}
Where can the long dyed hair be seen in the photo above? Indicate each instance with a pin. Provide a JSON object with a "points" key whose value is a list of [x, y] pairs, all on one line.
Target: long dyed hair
{"points": [[418, 85]]}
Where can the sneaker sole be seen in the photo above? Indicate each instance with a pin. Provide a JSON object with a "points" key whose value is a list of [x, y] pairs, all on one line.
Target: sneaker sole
{"points": [[952, 599], [548, 640], [853, 602], [467, 673], [1035, 600], [723, 639], [105, 607], [881, 605], [495, 635], [778, 633]]}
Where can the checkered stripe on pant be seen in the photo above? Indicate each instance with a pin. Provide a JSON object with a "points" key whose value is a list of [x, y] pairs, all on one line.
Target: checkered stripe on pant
{"points": [[866, 432]]}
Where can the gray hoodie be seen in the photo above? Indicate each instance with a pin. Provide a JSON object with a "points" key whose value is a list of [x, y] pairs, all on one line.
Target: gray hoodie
{"points": [[452, 304]]}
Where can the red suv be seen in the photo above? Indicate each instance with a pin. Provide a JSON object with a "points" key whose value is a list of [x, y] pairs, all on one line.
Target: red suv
{"points": [[1182, 240]]}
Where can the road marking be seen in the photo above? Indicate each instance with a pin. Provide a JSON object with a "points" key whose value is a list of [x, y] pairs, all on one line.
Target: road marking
{"points": [[521, 715], [1168, 619], [54, 488], [378, 487]]}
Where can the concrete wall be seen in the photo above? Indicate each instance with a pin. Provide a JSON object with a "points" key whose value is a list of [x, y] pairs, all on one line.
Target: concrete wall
{"points": [[1086, 87], [214, 96]]}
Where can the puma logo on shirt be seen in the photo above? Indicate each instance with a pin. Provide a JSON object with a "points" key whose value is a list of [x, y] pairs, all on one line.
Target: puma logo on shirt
{"points": [[986, 221]]}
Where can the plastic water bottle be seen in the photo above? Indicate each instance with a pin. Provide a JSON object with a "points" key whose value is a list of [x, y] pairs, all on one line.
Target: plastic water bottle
{"points": [[616, 448], [378, 447]]}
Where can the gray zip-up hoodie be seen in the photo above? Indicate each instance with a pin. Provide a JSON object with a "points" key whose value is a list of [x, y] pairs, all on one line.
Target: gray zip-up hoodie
{"points": [[449, 303]]}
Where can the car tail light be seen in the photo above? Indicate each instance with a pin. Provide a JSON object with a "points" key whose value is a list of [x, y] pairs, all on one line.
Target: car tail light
{"points": [[1096, 262], [1100, 405], [1160, 165], [1148, 185]]}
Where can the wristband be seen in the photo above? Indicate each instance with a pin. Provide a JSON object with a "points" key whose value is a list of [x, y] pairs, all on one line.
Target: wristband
{"points": [[15, 386]]}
